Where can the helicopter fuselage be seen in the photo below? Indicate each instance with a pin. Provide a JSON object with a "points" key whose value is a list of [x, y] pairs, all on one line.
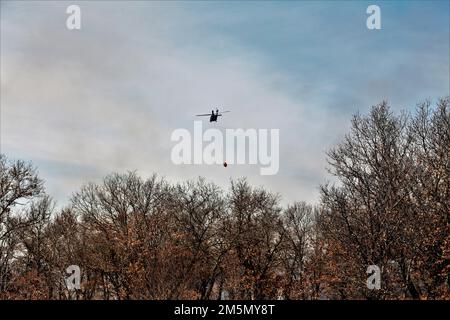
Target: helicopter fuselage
{"points": [[213, 117]]}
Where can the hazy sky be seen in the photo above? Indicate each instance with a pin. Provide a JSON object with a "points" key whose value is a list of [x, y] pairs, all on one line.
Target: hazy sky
{"points": [[81, 104]]}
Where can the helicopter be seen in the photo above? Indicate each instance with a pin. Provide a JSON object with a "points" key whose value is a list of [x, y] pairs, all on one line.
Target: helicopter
{"points": [[212, 116]]}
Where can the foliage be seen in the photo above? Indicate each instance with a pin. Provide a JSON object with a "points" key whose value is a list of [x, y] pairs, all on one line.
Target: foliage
{"points": [[136, 238]]}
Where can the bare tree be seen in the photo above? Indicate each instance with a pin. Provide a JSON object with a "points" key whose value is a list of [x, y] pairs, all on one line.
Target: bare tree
{"points": [[19, 183], [136, 238]]}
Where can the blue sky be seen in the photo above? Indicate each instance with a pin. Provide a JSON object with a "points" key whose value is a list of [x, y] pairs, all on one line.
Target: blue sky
{"points": [[326, 43], [81, 104]]}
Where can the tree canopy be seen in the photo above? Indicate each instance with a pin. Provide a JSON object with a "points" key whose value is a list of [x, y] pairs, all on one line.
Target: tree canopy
{"points": [[136, 238]]}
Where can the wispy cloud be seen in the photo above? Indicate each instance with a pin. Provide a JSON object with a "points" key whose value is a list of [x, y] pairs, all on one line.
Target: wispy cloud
{"points": [[106, 98]]}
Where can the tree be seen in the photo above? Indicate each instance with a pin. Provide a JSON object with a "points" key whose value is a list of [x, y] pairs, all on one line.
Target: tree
{"points": [[136, 238], [254, 232], [431, 131], [19, 183], [392, 197]]}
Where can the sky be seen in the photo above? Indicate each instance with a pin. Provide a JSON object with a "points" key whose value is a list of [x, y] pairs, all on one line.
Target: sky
{"points": [[80, 104]]}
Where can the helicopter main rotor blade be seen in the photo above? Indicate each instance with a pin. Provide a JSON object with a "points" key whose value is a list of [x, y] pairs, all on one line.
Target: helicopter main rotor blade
{"points": [[224, 111], [203, 115]]}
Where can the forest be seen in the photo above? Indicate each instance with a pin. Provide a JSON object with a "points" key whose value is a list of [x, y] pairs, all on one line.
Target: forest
{"points": [[146, 238]]}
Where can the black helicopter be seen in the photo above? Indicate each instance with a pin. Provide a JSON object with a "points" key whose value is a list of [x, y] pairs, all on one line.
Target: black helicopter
{"points": [[212, 116]]}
